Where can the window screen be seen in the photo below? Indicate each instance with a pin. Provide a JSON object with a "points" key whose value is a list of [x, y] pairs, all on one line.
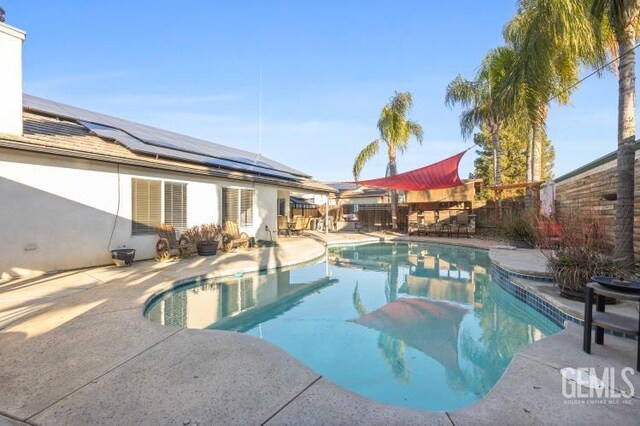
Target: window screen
{"points": [[145, 205], [175, 205]]}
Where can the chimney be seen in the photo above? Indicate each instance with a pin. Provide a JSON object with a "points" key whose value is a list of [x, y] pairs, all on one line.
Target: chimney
{"points": [[11, 40]]}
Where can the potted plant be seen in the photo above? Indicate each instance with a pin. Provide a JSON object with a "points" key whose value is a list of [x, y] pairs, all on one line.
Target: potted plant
{"points": [[206, 237], [123, 256], [582, 253]]}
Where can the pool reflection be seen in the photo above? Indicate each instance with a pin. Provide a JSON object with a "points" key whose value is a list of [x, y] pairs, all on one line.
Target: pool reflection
{"points": [[417, 325], [233, 303]]}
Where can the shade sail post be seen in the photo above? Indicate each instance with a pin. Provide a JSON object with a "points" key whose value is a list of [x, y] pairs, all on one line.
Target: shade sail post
{"points": [[326, 215]]}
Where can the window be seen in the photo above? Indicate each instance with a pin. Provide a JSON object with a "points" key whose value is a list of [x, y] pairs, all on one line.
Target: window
{"points": [[175, 205], [154, 203], [237, 205], [282, 210], [146, 205]]}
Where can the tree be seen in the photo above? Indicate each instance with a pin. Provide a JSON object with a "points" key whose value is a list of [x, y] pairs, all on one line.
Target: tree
{"points": [[480, 100], [513, 141], [396, 131], [620, 17], [551, 38]]}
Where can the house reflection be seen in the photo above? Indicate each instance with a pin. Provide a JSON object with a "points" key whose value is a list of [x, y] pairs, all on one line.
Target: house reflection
{"points": [[233, 303], [444, 274]]}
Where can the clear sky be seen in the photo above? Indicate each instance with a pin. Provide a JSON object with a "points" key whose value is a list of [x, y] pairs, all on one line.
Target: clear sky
{"points": [[328, 67]]}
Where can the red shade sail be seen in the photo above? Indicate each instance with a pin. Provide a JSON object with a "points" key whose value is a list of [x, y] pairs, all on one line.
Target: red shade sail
{"points": [[440, 175]]}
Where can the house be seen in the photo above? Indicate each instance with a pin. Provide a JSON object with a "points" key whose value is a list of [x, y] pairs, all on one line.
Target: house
{"points": [[75, 184]]}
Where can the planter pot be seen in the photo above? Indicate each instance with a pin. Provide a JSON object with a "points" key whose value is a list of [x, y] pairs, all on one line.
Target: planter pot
{"points": [[580, 296], [123, 257], [207, 248]]}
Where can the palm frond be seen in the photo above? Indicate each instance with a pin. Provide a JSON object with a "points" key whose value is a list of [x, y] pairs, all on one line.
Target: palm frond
{"points": [[365, 155], [460, 91]]}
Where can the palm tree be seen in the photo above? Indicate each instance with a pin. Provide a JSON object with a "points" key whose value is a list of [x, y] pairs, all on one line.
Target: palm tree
{"points": [[395, 130], [480, 99], [551, 39], [621, 17]]}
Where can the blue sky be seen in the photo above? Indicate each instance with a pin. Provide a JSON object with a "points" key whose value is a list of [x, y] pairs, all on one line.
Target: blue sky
{"points": [[328, 67]]}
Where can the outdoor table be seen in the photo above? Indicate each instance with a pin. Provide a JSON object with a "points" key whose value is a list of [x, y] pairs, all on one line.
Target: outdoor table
{"points": [[610, 321]]}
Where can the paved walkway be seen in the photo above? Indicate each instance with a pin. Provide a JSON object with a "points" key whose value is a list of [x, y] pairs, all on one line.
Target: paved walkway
{"points": [[75, 349]]}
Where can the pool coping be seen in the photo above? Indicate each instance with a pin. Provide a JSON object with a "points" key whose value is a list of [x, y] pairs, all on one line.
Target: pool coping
{"points": [[302, 395]]}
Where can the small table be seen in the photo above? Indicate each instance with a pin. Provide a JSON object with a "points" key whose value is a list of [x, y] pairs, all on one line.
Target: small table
{"points": [[610, 321]]}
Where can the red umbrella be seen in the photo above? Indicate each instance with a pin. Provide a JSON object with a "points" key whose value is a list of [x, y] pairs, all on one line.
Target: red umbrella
{"points": [[429, 326]]}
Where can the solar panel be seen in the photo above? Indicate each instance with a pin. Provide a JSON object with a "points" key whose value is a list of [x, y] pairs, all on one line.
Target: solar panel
{"points": [[136, 145], [153, 137]]}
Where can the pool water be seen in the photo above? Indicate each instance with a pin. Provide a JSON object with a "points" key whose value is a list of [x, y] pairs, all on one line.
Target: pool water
{"points": [[414, 325]]}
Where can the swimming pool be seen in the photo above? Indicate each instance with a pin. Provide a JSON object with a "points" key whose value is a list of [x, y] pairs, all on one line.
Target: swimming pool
{"points": [[414, 325]]}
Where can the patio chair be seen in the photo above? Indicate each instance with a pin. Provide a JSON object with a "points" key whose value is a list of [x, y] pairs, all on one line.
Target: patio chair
{"points": [[235, 237], [462, 221], [550, 235], [283, 225], [167, 243], [412, 223], [298, 226], [444, 222], [430, 223]]}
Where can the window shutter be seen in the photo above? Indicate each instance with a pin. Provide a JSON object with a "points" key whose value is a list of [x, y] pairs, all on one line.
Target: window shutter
{"points": [[246, 207], [237, 205], [230, 197], [145, 205], [175, 205]]}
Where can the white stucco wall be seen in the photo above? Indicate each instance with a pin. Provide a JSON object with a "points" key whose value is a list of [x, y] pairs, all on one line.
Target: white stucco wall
{"points": [[11, 40], [57, 213]]}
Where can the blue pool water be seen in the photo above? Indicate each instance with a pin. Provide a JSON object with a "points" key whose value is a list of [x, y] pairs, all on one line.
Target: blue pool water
{"points": [[414, 325]]}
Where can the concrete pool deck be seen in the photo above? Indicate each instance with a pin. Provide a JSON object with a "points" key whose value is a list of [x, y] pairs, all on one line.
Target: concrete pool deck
{"points": [[76, 349]]}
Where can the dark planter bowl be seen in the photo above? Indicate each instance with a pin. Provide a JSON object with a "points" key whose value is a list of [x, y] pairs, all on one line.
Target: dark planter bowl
{"points": [[581, 296], [207, 248], [123, 257]]}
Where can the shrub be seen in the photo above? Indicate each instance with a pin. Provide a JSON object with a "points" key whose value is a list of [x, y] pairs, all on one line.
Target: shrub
{"points": [[518, 226]]}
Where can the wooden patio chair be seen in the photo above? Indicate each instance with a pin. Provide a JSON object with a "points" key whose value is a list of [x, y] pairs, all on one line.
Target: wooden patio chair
{"points": [[283, 225], [235, 237], [298, 226], [167, 243]]}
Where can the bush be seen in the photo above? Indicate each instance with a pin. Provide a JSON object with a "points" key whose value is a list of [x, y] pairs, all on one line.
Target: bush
{"points": [[518, 226]]}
